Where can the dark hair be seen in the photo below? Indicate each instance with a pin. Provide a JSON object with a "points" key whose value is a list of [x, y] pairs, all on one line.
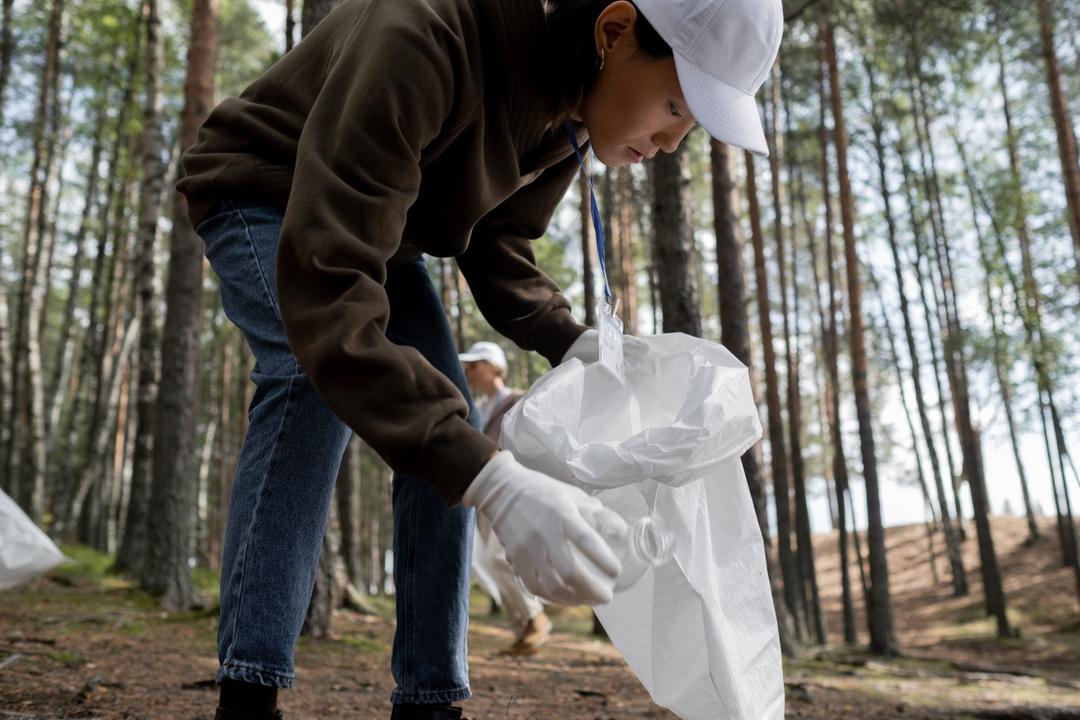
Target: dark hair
{"points": [[569, 66]]}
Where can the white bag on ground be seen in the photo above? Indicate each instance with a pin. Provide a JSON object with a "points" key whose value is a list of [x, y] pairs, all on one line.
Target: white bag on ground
{"points": [[699, 630], [25, 551]]}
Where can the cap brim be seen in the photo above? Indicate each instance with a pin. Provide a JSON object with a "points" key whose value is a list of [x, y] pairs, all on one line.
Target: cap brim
{"points": [[470, 357], [726, 113]]}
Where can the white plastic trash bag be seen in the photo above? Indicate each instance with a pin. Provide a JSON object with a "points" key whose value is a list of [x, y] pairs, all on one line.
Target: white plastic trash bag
{"points": [[700, 629], [25, 551]]}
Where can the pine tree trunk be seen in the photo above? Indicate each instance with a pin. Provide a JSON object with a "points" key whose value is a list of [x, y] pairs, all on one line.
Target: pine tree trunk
{"points": [[460, 320], [956, 370], [66, 343], [831, 351], [674, 244], [588, 242], [326, 593], [7, 46], [806, 571], [931, 335], [167, 570], [384, 507], [894, 356], [7, 50], [25, 451], [221, 483], [100, 433], [57, 143], [807, 566], [1000, 355], [882, 640], [152, 173], [777, 451], [1027, 301], [290, 25], [952, 541], [1066, 140], [623, 264], [348, 506], [446, 294], [91, 353], [945, 303], [735, 336]]}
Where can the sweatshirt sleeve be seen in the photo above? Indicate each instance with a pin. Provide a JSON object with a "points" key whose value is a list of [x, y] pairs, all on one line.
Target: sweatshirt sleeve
{"points": [[389, 89], [514, 295]]}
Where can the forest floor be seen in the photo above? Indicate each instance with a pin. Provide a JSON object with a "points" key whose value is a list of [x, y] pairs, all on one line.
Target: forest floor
{"points": [[81, 643]]}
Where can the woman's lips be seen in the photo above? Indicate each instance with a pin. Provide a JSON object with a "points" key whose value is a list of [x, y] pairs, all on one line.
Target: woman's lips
{"points": [[635, 156]]}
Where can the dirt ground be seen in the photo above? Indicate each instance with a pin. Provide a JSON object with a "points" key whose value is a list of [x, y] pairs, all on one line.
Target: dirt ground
{"points": [[81, 643]]}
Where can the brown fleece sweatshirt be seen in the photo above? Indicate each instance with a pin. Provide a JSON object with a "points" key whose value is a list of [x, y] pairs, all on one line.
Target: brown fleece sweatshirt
{"points": [[399, 127]]}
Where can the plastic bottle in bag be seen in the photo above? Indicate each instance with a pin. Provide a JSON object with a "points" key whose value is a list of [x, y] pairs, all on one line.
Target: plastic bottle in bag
{"points": [[639, 544]]}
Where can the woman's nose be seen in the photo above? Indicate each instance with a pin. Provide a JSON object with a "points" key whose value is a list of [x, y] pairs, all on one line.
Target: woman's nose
{"points": [[669, 140]]}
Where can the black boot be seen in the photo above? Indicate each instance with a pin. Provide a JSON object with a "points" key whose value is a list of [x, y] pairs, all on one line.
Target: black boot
{"points": [[425, 712], [224, 714]]}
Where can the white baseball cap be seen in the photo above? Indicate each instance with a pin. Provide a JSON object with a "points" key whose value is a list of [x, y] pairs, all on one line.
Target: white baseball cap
{"points": [[486, 351], [724, 50]]}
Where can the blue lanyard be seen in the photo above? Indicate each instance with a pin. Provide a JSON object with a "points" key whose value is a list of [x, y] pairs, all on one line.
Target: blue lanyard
{"points": [[598, 224]]}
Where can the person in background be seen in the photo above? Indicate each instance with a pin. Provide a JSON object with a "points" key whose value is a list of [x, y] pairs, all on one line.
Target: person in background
{"points": [[485, 369]]}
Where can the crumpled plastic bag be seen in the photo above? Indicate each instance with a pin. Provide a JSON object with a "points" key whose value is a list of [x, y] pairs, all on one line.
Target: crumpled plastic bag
{"points": [[699, 630], [25, 551]]}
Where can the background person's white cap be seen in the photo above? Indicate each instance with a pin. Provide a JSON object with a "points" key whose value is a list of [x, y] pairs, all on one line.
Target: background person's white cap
{"points": [[487, 351], [724, 50]]}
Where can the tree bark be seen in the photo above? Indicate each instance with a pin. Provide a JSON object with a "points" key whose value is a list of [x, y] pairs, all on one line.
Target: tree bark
{"points": [[152, 172], [326, 593], [588, 242], [882, 640], [348, 506], [290, 25], [622, 265], [7, 50], [807, 572], [807, 564], [945, 303], [66, 342], [1000, 356], [26, 474], [90, 371], [956, 370], [777, 450], [735, 336], [674, 244], [167, 570], [1066, 140], [831, 351], [952, 541]]}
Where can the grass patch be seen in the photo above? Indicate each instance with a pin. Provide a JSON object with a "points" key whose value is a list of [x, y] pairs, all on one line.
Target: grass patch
{"points": [[84, 565], [362, 643], [207, 584], [69, 659]]}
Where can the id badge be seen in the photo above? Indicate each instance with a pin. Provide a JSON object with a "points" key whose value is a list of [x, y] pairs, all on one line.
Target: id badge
{"points": [[611, 343]]}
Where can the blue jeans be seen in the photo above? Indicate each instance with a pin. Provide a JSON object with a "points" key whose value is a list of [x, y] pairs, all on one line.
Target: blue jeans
{"points": [[285, 479]]}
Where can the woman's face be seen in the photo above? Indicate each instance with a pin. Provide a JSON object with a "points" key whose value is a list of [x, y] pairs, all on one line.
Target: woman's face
{"points": [[636, 108]]}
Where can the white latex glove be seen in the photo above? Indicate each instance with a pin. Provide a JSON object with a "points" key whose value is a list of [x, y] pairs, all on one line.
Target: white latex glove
{"points": [[548, 530], [587, 347]]}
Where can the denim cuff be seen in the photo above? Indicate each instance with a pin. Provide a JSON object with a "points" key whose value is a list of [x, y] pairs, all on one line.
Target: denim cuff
{"points": [[243, 672], [429, 697]]}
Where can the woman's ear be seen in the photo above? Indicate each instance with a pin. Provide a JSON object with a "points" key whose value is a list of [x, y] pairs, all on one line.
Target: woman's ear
{"points": [[615, 26]]}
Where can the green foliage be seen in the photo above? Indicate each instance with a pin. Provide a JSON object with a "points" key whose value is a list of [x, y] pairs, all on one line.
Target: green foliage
{"points": [[247, 49]]}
